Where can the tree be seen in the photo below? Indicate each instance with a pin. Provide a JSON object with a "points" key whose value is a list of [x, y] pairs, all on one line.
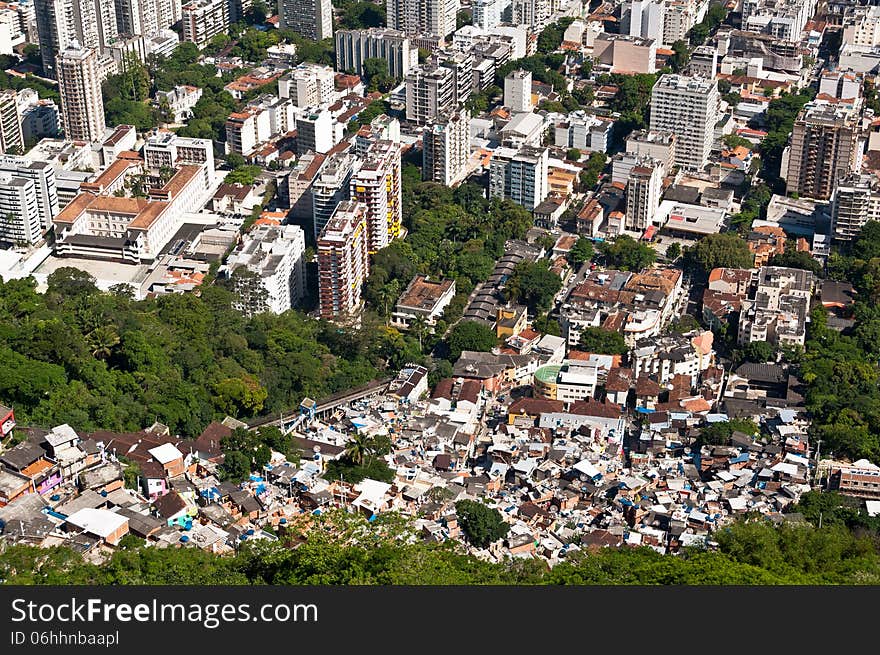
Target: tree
{"points": [[470, 335], [719, 433], [376, 72], [581, 251], [463, 18], [759, 352], [573, 154], [481, 524], [245, 175], [236, 467], [602, 341], [628, 254], [673, 252], [533, 284], [725, 249], [358, 448], [792, 258], [680, 57]]}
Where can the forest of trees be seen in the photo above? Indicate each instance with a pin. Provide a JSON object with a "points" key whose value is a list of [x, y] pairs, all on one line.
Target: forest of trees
{"points": [[102, 360], [748, 553]]}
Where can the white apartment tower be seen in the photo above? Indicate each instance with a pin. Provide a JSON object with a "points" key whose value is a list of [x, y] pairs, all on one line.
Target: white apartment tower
{"points": [[79, 83], [19, 211], [308, 85], [646, 19], [688, 107], [313, 19], [446, 148], [91, 23], [429, 90], [203, 19], [275, 279], [856, 201], [643, 190], [378, 187], [435, 17], [518, 91], [520, 175], [315, 131], [42, 174], [353, 47], [11, 139]]}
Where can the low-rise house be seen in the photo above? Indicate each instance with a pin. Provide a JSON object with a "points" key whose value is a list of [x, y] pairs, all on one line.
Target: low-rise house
{"points": [[423, 298]]}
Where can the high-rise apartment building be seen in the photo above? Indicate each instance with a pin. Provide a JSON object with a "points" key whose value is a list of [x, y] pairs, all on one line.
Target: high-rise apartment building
{"points": [[520, 175], [42, 174], [643, 190], [429, 90], [203, 19], [353, 47], [308, 85], [331, 187], [435, 17], [315, 131], [518, 91], [377, 186], [79, 84], [824, 149], [343, 261], [19, 212], [687, 106], [856, 200], [446, 148], [299, 186], [11, 139], [533, 13], [644, 18], [489, 13], [313, 19], [272, 257], [91, 23]]}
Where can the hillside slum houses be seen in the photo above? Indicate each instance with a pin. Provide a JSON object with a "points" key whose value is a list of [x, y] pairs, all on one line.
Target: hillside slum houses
{"points": [[623, 468]]}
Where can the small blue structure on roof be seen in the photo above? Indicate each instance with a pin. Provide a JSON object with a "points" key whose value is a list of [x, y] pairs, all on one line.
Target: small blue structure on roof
{"points": [[184, 538]]}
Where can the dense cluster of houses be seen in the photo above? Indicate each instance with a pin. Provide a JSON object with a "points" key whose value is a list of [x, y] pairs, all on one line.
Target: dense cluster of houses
{"points": [[629, 469]]}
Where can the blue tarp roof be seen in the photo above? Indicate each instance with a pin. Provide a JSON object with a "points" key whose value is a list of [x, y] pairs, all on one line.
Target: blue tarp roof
{"points": [[644, 410]]}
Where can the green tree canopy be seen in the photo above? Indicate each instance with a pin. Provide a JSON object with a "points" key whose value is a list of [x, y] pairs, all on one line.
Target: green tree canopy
{"points": [[482, 525], [600, 340], [628, 254], [726, 249], [470, 335], [533, 284]]}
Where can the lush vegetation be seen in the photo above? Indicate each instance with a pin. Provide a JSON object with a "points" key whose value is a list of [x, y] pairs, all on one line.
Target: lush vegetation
{"points": [[792, 258], [126, 95], [470, 335], [627, 254], [351, 551], [632, 100], [102, 360], [781, 114], [753, 206], [725, 249], [719, 433], [534, 285], [550, 37], [456, 234], [841, 369], [605, 342], [716, 15], [480, 523], [589, 175]]}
